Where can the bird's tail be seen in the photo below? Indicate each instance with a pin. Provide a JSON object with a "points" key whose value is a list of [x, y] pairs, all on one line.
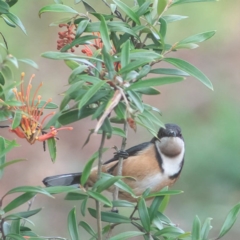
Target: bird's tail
{"points": [[62, 180]]}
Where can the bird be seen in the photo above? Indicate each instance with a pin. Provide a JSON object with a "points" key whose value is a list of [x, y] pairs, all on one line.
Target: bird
{"points": [[150, 165]]}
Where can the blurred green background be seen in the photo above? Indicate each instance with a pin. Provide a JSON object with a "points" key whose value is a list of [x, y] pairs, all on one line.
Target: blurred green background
{"points": [[209, 120]]}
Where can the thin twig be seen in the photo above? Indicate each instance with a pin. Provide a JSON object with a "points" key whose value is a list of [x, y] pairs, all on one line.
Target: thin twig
{"points": [[118, 14], [30, 203], [98, 205], [120, 163]]}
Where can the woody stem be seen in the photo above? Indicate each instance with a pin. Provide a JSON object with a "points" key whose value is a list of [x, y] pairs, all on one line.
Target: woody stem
{"points": [[98, 204]]}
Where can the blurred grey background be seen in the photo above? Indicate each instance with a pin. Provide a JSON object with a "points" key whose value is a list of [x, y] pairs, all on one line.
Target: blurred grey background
{"points": [[209, 119]]}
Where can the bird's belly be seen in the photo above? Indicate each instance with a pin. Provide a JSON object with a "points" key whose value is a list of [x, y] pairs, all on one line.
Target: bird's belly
{"points": [[154, 182]]}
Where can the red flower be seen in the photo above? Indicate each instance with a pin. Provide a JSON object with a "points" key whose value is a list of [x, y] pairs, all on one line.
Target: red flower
{"points": [[31, 123]]}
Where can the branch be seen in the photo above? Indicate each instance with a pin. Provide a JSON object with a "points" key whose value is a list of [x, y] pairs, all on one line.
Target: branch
{"points": [[98, 205], [120, 164]]}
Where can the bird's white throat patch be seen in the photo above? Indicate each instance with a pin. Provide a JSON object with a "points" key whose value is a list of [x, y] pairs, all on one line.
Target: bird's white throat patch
{"points": [[172, 152]]}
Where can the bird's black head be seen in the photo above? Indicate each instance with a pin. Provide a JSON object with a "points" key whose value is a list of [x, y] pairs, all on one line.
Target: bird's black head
{"points": [[170, 130]]}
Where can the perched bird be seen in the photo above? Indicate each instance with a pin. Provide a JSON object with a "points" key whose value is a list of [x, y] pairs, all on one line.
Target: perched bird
{"points": [[154, 165]]}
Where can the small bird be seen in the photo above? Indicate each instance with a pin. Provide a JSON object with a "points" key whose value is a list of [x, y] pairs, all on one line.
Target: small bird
{"points": [[154, 165]]}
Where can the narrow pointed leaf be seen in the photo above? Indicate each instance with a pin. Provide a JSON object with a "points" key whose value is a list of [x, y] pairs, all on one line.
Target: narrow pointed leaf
{"points": [[17, 119], [197, 38], [169, 71], [108, 183], [155, 82], [126, 235], [125, 54], [87, 169], [51, 142], [190, 69], [99, 197], [72, 225], [56, 8], [88, 228], [81, 27], [196, 228], [128, 11], [104, 34], [29, 62], [110, 217], [230, 220], [29, 189], [143, 214], [3, 156], [19, 201], [206, 228], [90, 93], [2, 166], [15, 19]]}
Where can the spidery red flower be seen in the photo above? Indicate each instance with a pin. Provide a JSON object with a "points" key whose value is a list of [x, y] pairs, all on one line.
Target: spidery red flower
{"points": [[32, 120]]}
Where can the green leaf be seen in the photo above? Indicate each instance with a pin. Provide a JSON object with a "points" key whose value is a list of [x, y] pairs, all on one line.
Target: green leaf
{"points": [[60, 189], [143, 214], [4, 7], [190, 1], [8, 22], [2, 80], [169, 71], [108, 183], [88, 228], [72, 225], [29, 62], [56, 8], [7, 72], [122, 203], [118, 131], [99, 197], [163, 30], [90, 93], [165, 193], [125, 54], [81, 27], [206, 228], [3, 156], [196, 228], [108, 62], [15, 19], [2, 166], [104, 34], [155, 206], [76, 71], [164, 203], [75, 115], [170, 232], [22, 214], [76, 196], [13, 60], [197, 38], [133, 66], [84, 206], [110, 216], [173, 18], [79, 41], [127, 235], [88, 7], [120, 110], [190, 69], [128, 11], [154, 82], [29, 189], [16, 120], [15, 226], [87, 169], [51, 142], [5, 149], [14, 236], [136, 99], [230, 220], [19, 201]]}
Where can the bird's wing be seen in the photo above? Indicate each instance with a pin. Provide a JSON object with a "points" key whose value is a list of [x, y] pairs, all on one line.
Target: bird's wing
{"points": [[131, 152]]}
